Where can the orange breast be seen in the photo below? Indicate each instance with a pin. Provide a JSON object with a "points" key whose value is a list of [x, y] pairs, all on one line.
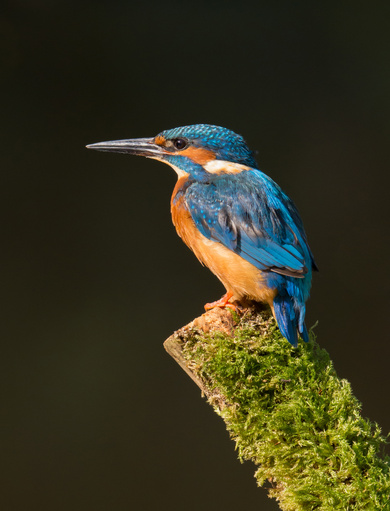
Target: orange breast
{"points": [[237, 275]]}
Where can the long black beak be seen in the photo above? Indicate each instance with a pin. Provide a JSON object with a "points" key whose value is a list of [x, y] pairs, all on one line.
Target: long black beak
{"points": [[138, 146]]}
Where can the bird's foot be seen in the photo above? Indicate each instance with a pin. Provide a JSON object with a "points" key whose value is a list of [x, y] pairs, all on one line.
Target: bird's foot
{"points": [[222, 302]]}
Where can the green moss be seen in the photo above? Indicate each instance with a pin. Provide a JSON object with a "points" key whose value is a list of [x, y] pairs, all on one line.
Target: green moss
{"points": [[290, 413]]}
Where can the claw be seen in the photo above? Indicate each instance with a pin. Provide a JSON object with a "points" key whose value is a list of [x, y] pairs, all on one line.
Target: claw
{"points": [[222, 302]]}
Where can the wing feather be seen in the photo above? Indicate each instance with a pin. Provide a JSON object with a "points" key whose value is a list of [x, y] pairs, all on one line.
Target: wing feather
{"points": [[251, 215]]}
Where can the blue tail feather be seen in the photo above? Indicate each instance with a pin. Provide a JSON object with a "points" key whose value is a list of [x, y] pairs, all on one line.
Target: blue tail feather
{"points": [[290, 319], [304, 333]]}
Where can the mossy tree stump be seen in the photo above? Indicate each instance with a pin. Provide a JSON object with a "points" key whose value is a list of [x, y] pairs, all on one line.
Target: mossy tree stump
{"points": [[287, 411]]}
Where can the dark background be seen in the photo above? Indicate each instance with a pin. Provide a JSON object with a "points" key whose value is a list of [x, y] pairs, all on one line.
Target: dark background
{"points": [[94, 414]]}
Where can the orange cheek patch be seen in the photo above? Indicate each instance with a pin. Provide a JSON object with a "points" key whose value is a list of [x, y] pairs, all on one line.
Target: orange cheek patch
{"points": [[198, 154], [159, 140]]}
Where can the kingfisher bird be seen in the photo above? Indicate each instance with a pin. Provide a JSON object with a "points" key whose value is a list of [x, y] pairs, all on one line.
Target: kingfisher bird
{"points": [[236, 219]]}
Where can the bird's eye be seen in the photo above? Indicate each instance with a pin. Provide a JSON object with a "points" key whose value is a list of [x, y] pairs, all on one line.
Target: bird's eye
{"points": [[180, 143]]}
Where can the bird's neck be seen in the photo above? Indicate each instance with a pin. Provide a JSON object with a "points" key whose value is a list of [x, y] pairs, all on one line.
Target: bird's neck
{"points": [[180, 188], [184, 166]]}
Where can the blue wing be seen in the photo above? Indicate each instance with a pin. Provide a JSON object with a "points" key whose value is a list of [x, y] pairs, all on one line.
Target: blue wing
{"points": [[251, 215]]}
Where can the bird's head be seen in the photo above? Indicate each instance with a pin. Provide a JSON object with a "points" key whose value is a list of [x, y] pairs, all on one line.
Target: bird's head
{"points": [[198, 150]]}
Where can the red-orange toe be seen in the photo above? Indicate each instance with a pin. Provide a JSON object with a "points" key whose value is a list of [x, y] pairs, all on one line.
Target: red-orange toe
{"points": [[222, 302]]}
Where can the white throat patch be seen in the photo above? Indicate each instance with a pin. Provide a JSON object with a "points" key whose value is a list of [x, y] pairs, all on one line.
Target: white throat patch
{"points": [[224, 167]]}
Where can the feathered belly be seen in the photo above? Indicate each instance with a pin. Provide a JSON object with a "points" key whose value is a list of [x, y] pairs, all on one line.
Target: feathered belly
{"points": [[236, 274]]}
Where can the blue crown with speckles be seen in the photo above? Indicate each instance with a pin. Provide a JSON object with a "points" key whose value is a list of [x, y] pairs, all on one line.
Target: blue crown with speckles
{"points": [[226, 144]]}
